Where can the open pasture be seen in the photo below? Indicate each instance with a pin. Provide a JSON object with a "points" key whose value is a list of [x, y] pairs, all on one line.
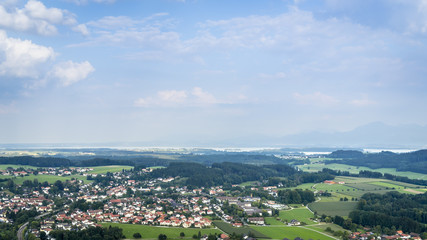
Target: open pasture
{"points": [[334, 187], [5, 166], [300, 214], [153, 232], [356, 169], [227, 228], [322, 227], [111, 169], [341, 208], [291, 233], [46, 178], [273, 221]]}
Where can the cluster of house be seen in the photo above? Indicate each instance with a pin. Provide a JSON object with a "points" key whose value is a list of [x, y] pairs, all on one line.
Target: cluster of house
{"points": [[18, 203], [370, 235], [185, 212], [45, 171]]}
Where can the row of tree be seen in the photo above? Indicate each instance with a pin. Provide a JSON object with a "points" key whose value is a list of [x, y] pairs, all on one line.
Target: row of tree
{"points": [[412, 161], [227, 173]]}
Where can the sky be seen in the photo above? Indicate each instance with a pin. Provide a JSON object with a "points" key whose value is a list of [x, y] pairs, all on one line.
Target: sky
{"points": [[179, 71]]}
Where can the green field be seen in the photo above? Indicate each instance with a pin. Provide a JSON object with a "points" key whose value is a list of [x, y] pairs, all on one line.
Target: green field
{"points": [[387, 185], [291, 233], [322, 227], [272, 221], [333, 208], [355, 169], [300, 214], [227, 228], [105, 169], [334, 187], [44, 178], [4, 166], [152, 232]]}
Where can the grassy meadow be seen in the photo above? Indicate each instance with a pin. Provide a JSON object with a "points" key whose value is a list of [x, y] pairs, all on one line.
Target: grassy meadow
{"points": [[152, 232], [279, 232]]}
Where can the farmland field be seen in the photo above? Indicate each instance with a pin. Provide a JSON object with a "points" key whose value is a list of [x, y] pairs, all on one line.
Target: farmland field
{"points": [[355, 169], [4, 166], [227, 228], [334, 187], [291, 233], [300, 214], [48, 178], [153, 232], [333, 208], [105, 169], [322, 227], [272, 221]]}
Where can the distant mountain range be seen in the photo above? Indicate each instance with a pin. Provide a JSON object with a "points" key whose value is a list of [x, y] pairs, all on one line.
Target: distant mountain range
{"points": [[373, 135]]}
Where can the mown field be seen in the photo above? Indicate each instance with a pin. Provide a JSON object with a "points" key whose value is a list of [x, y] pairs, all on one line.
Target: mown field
{"points": [[112, 169], [151, 232], [44, 178], [314, 167], [279, 232], [300, 214], [227, 228], [5, 166], [340, 208]]}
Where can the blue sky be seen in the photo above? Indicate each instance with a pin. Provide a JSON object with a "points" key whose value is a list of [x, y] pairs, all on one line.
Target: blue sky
{"points": [[90, 71]]}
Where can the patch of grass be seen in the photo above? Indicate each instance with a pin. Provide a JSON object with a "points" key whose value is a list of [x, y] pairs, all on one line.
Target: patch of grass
{"points": [[334, 187], [322, 227], [387, 185], [356, 169], [5, 166], [153, 232], [227, 228], [300, 214], [333, 208], [291, 233], [111, 169], [250, 183], [273, 221], [48, 178]]}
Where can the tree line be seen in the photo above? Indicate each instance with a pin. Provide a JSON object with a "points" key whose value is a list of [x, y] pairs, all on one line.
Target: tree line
{"points": [[227, 173], [412, 161]]}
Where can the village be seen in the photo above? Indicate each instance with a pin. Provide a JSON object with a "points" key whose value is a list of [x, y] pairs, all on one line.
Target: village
{"points": [[116, 198]]}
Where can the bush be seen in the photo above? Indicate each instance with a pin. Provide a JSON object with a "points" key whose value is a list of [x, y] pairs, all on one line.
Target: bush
{"points": [[137, 235]]}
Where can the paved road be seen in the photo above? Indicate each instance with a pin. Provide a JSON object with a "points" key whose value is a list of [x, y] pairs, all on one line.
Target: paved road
{"points": [[22, 228], [21, 231]]}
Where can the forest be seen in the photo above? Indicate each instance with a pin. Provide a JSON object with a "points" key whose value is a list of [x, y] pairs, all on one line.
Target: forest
{"points": [[93, 233], [392, 210], [226, 173], [412, 161]]}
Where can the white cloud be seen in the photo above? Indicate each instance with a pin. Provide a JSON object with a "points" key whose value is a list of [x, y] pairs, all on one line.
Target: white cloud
{"points": [[172, 96], [317, 99], [203, 97], [363, 102], [35, 17], [195, 97], [81, 28], [83, 2], [21, 58], [70, 72]]}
